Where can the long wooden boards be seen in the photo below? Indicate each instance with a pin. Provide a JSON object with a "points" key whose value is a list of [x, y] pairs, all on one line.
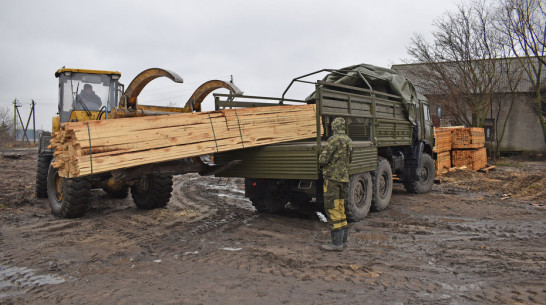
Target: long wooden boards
{"points": [[84, 148]]}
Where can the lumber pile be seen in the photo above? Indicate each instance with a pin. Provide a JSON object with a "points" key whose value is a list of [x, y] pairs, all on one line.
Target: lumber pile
{"points": [[459, 147], [467, 138], [443, 162], [443, 140], [442, 148], [84, 148], [474, 159]]}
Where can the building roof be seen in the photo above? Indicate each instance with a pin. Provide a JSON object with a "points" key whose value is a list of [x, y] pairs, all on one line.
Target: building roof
{"points": [[416, 73]]}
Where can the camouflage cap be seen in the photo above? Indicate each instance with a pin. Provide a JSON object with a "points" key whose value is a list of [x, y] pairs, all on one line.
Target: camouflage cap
{"points": [[338, 125]]}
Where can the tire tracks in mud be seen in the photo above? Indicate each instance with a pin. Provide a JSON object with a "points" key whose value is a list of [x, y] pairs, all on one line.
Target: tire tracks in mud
{"points": [[438, 248]]}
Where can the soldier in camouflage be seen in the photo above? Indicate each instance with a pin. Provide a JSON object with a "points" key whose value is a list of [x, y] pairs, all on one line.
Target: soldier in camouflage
{"points": [[335, 159]]}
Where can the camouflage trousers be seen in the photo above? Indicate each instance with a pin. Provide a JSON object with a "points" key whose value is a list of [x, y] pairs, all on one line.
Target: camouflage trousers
{"points": [[335, 194]]}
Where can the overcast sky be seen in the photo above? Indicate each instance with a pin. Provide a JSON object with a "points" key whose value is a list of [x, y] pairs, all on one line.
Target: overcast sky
{"points": [[263, 44]]}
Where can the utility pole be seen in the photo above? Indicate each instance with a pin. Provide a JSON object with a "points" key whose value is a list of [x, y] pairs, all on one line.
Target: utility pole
{"points": [[15, 110], [33, 122]]}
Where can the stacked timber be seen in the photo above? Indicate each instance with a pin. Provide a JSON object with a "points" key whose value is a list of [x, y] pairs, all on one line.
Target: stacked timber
{"points": [[467, 138], [474, 159], [442, 148], [84, 148], [459, 147]]}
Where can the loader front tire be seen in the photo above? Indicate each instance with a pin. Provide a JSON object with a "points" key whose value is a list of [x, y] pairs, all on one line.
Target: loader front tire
{"points": [[68, 197], [41, 175], [152, 191]]}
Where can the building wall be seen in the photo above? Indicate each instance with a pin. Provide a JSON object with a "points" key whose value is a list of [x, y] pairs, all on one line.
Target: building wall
{"points": [[523, 132]]}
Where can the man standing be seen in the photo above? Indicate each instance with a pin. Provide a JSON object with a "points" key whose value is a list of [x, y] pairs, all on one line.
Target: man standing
{"points": [[335, 159]]}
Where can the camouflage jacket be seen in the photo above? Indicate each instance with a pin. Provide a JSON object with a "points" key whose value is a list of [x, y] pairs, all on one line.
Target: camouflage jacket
{"points": [[337, 155]]}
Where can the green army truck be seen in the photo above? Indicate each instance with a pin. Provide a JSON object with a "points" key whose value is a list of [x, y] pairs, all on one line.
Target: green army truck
{"points": [[390, 125]]}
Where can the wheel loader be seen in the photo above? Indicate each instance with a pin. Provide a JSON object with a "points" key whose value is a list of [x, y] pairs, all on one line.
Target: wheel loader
{"points": [[86, 95]]}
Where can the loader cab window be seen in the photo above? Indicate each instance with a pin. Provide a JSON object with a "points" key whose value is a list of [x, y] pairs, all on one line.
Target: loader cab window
{"points": [[86, 92]]}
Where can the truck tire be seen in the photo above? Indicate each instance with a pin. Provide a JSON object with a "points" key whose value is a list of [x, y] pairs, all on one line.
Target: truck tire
{"points": [[153, 192], [299, 198], [382, 185], [359, 196], [41, 175], [427, 173], [68, 197], [268, 205], [275, 198]]}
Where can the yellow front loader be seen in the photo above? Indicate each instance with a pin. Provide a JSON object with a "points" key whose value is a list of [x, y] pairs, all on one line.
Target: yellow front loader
{"points": [[98, 95]]}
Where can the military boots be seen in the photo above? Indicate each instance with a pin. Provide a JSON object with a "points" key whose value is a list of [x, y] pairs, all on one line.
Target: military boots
{"points": [[345, 237], [336, 241]]}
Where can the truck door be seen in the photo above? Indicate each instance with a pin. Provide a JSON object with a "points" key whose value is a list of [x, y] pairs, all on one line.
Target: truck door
{"points": [[427, 122]]}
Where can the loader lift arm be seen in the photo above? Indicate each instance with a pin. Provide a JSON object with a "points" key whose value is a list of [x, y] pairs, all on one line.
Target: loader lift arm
{"points": [[129, 98]]}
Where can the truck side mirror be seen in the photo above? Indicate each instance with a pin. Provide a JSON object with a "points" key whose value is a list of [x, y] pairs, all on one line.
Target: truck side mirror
{"points": [[439, 111]]}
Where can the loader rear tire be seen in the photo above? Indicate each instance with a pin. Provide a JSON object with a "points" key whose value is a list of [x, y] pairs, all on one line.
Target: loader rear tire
{"points": [[41, 175], [68, 197], [154, 191]]}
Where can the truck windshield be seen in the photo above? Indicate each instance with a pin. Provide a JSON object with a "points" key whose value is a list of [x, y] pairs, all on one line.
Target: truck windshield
{"points": [[82, 91]]}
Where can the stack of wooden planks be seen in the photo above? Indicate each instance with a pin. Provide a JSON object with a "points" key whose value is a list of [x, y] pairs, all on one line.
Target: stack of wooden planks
{"points": [[467, 138], [473, 159], [84, 148], [443, 140], [459, 147], [442, 149]]}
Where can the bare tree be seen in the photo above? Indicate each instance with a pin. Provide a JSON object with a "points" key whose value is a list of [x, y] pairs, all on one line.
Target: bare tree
{"points": [[458, 64], [6, 125], [523, 24]]}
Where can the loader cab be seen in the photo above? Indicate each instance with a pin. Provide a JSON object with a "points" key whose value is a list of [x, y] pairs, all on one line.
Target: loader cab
{"points": [[87, 94]]}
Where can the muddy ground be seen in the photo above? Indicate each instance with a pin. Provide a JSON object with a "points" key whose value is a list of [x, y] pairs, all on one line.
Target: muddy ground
{"points": [[476, 238]]}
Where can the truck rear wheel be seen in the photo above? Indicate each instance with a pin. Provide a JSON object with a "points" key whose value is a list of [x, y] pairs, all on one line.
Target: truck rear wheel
{"points": [[68, 197], [427, 173], [382, 186], [359, 197], [152, 191], [272, 197], [41, 175], [268, 205]]}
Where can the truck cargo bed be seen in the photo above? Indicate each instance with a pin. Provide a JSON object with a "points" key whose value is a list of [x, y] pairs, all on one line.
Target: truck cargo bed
{"points": [[294, 160]]}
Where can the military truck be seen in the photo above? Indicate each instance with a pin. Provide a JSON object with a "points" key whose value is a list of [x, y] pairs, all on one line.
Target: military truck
{"points": [[389, 123]]}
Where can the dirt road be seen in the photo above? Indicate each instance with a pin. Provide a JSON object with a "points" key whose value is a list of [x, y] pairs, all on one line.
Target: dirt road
{"points": [[476, 238]]}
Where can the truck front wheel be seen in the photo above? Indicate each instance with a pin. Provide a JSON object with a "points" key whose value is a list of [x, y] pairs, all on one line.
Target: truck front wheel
{"points": [[382, 186], [426, 177], [359, 197], [152, 191], [68, 197]]}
